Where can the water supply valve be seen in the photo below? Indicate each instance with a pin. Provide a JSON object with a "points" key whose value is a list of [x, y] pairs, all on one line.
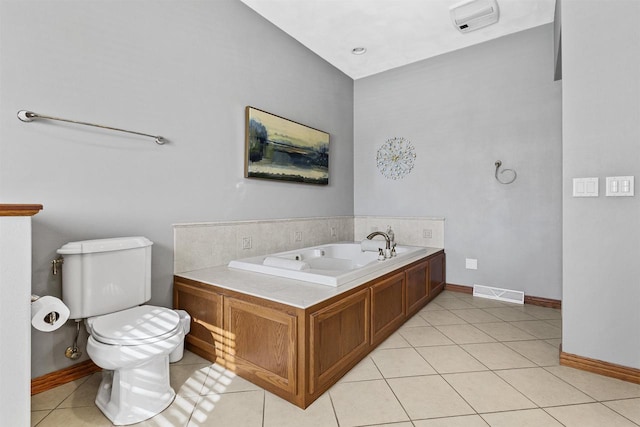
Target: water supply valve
{"points": [[55, 265]]}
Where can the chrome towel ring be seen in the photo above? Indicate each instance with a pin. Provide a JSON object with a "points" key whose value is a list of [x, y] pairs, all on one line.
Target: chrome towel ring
{"points": [[498, 163]]}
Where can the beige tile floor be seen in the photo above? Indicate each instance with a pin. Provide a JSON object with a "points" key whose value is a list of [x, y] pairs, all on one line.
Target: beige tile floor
{"points": [[461, 361]]}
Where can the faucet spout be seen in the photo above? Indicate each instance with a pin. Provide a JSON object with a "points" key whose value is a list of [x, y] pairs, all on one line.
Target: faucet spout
{"points": [[380, 233]]}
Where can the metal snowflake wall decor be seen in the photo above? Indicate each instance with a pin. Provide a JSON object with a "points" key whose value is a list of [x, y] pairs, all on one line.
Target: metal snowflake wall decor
{"points": [[395, 158]]}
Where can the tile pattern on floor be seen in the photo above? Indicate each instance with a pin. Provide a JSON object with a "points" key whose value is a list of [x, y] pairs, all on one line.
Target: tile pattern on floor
{"points": [[460, 361]]}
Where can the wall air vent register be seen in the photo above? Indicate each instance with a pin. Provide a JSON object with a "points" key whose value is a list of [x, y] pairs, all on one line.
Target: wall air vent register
{"points": [[471, 15]]}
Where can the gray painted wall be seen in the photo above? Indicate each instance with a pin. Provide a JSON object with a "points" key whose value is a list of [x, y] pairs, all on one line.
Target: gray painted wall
{"points": [[601, 134], [185, 70], [463, 111]]}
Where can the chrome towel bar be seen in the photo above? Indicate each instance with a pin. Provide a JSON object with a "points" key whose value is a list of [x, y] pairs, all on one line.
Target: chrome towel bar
{"points": [[29, 116]]}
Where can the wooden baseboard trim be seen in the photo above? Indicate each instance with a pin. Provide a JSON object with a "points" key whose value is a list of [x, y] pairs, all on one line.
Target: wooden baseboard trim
{"points": [[458, 288], [63, 376], [543, 302], [612, 370]]}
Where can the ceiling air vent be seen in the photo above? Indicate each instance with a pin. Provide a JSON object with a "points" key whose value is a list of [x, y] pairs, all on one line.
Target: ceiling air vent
{"points": [[470, 15]]}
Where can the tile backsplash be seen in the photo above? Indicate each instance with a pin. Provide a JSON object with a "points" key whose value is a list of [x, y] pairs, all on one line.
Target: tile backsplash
{"points": [[208, 244], [413, 231], [202, 245]]}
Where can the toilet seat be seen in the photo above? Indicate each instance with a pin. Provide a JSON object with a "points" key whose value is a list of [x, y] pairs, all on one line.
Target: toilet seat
{"points": [[139, 325]]}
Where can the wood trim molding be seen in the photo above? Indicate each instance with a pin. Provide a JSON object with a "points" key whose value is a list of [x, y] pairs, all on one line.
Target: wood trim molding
{"points": [[528, 299], [458, 288], [543, 302], [63, 376], [600, 367], [19, 210]]}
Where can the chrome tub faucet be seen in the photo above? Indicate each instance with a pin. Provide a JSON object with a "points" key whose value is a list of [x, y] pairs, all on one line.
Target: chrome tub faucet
{"points": [[385, 235]]}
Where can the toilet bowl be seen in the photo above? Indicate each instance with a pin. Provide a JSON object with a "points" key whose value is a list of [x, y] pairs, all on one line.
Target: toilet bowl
{"points": [[134, 347], [107, 282]]}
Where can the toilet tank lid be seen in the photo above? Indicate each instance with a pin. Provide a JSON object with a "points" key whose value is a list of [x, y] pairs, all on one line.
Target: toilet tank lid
{"points": [[104, 245]]}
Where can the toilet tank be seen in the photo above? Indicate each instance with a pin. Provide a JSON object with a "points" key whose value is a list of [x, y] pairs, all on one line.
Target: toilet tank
{"points": [[106, 275]]}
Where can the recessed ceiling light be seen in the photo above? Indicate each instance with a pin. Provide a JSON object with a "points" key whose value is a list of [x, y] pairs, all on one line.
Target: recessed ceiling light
{"points": [[358, 50]]}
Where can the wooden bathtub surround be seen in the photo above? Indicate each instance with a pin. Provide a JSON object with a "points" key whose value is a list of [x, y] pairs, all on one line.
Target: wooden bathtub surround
{"points": [[298, 353], [261, 341], [388, 298]]}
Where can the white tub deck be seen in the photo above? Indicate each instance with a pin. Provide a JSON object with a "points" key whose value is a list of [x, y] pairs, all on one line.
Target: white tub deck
{"points": [[294, 292]]}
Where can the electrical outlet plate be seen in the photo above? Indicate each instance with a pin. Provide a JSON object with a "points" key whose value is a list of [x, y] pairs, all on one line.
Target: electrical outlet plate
{"points": [[246, 243], [297, 236], [471, 264], [427, 233]]}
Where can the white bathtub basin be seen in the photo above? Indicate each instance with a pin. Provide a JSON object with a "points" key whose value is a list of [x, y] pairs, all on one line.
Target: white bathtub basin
{"points": [[332, 264]]}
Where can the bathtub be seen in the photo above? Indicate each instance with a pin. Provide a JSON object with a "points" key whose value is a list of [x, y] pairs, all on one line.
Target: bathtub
{"points": [[331, 264]]}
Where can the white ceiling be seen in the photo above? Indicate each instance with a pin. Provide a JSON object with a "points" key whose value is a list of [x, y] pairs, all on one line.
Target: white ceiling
{"points": [[395, 32]]}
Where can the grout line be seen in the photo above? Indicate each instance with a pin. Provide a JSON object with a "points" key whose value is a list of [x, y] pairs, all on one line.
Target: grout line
{"points": [[49, 411], [264, 405], [619, 413], [461, 396], [568, 383], [547, 412], [394, 393], [523, 355], [333, 407]]}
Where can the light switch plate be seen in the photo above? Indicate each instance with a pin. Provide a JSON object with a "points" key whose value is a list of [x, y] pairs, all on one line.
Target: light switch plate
{"points": [[620, 186], [585, 187]]}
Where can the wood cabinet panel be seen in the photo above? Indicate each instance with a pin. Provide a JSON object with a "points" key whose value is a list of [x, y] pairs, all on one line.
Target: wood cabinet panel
{"points": [[437, 271], [339, 336], [387, 307], [261, 342], [298, 353], [205, 308], [417, 287]]}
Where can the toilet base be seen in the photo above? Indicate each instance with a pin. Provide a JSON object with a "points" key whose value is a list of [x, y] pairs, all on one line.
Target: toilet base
{"points": [[129, 396]]}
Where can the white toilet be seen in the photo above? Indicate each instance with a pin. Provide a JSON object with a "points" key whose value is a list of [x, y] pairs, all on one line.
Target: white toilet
{"points": [[105, 281]]}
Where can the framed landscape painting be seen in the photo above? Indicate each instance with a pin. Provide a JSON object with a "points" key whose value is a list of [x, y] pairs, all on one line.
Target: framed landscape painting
{"points": [[277, 148]]}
